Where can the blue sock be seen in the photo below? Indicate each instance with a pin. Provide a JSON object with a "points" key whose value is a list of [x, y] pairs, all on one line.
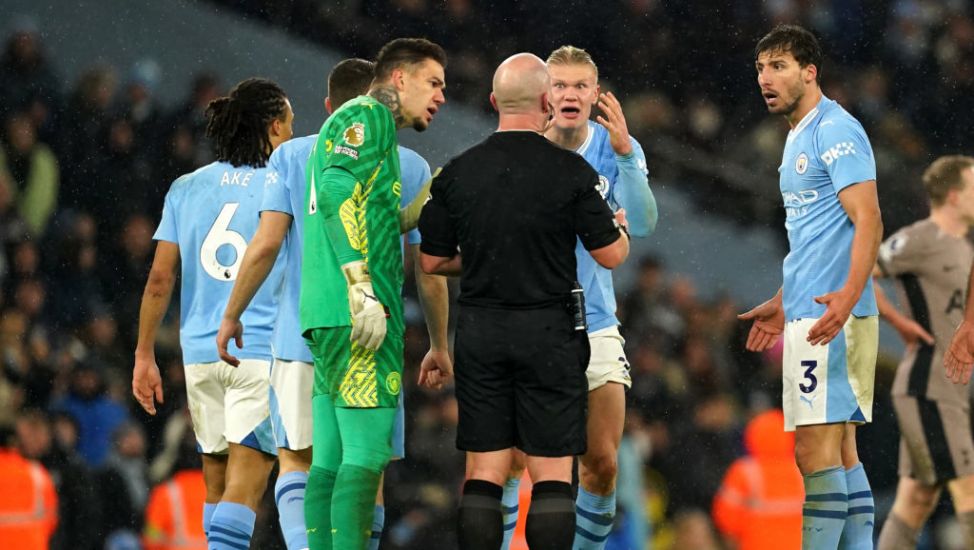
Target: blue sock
{"points": [[825, 509], [231, 527], [594, 516], [858, 531], [378, 522], [289, 496], [208, 509], [509, 504]]}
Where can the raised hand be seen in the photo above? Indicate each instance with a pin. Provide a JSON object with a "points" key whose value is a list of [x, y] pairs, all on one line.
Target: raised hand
{"points": [[615, 122]]}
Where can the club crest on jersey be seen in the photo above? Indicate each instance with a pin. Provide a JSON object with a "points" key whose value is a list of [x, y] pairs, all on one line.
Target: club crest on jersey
{"points": [[801, 164], [354, 135], [603, 186], [393, 383]]}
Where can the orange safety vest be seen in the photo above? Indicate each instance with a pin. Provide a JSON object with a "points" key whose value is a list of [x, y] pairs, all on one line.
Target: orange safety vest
{"points": [[173, 517], [28, 503], [759, 504], [519, 541]]}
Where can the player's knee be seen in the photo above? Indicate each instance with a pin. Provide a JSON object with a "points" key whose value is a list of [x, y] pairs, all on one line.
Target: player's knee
{"points": [[603, 466], [374, 459], [922, 499]]}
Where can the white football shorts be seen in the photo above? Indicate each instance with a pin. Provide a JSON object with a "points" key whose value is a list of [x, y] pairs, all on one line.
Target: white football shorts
{"points": [[831, 383]]}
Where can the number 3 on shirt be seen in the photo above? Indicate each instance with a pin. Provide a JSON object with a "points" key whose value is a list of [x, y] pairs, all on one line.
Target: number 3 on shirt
{"points": [[812, 380], [220, 234]]}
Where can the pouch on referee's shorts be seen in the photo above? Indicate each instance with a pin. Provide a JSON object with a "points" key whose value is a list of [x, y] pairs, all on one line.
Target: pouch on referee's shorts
{"points": [[576, 306]]}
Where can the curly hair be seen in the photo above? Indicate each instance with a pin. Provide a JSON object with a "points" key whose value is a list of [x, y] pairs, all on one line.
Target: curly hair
{"points": [[238, 122]]}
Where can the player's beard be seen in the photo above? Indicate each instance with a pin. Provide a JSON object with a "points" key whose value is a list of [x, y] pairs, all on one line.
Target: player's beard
{"points": [[797, 92], [420, 125]]}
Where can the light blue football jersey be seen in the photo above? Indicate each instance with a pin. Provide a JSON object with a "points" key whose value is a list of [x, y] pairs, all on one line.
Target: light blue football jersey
{"points": [[825, 153], [596, 281], [212, 215], [284, 192]]}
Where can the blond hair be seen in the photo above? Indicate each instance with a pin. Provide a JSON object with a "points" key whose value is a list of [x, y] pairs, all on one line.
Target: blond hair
{"points": [[944, 174], [570, 55]]}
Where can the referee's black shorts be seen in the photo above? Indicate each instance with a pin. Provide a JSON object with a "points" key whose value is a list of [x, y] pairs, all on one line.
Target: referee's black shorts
{"points": [[520, 381]]}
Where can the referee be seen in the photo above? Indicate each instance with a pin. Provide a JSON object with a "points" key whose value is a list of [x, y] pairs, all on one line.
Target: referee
{"points": [[513, 205]]}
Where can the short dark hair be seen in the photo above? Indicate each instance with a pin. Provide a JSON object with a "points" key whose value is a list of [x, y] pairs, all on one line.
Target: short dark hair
{"points": [[796, 40], [944, 174], [238, 122], [406, 51], [349, 79]]}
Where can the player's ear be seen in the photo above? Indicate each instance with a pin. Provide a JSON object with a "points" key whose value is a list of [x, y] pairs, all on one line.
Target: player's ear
{"points": [[398, 78], [328, 107], [493, 102], [811, 72]]}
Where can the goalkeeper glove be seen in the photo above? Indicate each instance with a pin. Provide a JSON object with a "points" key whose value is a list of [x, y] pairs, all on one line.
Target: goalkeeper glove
{"points": [[368, 314]]}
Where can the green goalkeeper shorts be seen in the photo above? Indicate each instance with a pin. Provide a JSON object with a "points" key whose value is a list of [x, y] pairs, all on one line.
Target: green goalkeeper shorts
{"points": [[354, 376]]}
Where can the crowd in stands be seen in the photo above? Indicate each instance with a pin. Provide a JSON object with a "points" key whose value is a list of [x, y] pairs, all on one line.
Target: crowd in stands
{"points": [[905, 68], [84, 168]]}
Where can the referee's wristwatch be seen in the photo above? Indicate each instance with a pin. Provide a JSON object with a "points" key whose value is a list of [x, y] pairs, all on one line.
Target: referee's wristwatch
{"points": [[623, 228]]}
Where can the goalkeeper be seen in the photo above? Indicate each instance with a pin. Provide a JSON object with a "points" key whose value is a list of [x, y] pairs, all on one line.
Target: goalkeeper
{"points": [[351, 281]]}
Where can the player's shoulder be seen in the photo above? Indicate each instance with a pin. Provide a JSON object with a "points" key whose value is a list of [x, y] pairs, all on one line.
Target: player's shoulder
{"points": [[294, 148], [921, 229], [833, 120], [188, 181], [407, 155]]}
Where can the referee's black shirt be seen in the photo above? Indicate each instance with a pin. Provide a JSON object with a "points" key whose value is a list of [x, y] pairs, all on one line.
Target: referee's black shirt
{"points": [[514, 205]]}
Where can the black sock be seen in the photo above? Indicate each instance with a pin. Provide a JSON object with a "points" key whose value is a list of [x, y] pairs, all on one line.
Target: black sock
{"points": [[480, 524], [551, 518]]}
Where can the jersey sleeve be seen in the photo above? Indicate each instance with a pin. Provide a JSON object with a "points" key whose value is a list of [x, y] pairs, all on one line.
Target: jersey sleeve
{"points": [[277, 195], [415, 172], [435, 224], [845, 151], [167, 224], [902, 253], [594, 222], [632, 192], [359, 140], [342, 204]]}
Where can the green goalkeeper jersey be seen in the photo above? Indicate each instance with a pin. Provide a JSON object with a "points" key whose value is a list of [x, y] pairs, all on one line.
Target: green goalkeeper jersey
{"points": [[352, 213]]}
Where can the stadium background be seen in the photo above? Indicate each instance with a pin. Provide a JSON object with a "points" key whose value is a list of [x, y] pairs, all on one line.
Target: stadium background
{"points": [[106, 111]]}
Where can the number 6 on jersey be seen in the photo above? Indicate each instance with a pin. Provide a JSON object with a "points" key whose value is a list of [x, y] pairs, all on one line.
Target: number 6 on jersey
{"points": [[220, 234]]}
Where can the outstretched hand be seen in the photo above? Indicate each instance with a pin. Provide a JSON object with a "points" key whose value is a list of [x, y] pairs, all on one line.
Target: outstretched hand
{"points": [[769, 323], [838, 307]]}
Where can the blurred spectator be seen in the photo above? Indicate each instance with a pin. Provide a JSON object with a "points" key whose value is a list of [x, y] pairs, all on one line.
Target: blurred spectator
{"points": [[97, 414], [28, 504], [81, 145], [123, 482], [31, 170], [759, 504], [29, 83], [79, 512]]}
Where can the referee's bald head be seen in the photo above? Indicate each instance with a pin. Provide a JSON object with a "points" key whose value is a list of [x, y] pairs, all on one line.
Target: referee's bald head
{"points": [[519, 84]]}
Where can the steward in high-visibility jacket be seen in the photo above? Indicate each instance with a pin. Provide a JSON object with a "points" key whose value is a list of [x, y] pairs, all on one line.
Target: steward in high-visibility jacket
{"points": [[28, 503], [174, 516], [759, 504]]}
